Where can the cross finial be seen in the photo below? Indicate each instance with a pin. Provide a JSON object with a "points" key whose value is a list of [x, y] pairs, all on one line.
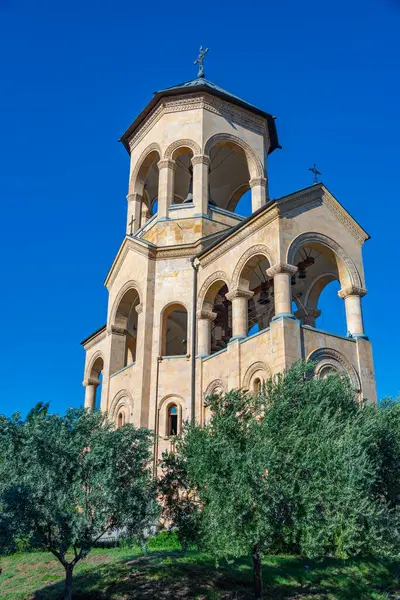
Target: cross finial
{"points": [[314, 170], [199, 60]]}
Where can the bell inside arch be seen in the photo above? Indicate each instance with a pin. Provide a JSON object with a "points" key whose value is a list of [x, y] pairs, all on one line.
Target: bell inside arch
{"points": [[189, 197]]}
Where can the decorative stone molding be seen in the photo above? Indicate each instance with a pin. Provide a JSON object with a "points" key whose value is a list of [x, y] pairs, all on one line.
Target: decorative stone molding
{"points": [[214, 277], [215, 387], [166, 164], [139, 308], [134, 197], [313, 236], [252, 370], [328, 356], [282, 268], [90, 367], [153, 147], [131, 284], [204, 313], [118, 402], [201, 159], [114, 329], [343, 216], [257, 250], [207, 102], [258, 181], [192, 145], [239, 294], [255, 165], [352, 290]]}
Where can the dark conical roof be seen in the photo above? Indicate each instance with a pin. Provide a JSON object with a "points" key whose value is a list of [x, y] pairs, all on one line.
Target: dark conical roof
{"points": [[201, 85]]}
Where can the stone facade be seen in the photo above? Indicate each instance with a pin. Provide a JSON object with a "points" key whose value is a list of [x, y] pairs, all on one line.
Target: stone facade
{"points": [[201, 299]]}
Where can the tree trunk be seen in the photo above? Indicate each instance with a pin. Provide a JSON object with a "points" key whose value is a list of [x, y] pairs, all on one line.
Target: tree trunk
{"points": [[257, 578], [68, 582]]}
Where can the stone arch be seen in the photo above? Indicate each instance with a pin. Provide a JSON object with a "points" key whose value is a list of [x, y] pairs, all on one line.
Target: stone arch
{"points": [[136, 183], [181, 324], [314, 291], [236, 196], [324, 357], [164, 406], [255, 166], [95, 366], [258, 368], [209, 287], [310, 237], [216, 384], [253, 251], [171, 150], [129, 285], [122, 402]]}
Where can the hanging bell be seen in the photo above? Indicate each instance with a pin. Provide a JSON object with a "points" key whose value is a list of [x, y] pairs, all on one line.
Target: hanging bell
{"points": [[302, 273], [189, 197], [264, 294]]}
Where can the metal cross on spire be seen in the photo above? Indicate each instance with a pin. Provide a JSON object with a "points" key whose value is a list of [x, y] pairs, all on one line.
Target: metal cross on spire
{"points": [[199, 60], [314, 170]]}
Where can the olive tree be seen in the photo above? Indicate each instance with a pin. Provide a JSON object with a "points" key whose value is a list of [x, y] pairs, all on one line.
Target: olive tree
{"points": [[66, 480]]}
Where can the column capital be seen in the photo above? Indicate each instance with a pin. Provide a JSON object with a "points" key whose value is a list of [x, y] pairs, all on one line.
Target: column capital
{"points": [[206, 314], [201, 159], [134, 197], [139, 308], [352, 290], [258, 181], [115, 329], [166, 164], [282, 268], [91, 381], [239, 294]]}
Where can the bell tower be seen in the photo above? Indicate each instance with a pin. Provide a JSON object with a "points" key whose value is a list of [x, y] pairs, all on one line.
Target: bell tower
{"points": [[195, 151], [204, 300]]}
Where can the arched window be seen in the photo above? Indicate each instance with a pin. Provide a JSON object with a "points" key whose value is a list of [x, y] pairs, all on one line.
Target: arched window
{"points": [[183, 181], [126, 319], [221, 329], [145, 183], [175, 331], [120, 419], [257, 385], [228, 176], [172, 420]]}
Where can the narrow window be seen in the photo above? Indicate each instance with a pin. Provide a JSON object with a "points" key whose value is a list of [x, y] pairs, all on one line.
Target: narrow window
{"points": [[257, 385], [173, 420], [120, 420]]}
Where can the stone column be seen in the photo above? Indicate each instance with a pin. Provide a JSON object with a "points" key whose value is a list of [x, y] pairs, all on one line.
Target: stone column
{"points": [[201, 164], [239, 299], [307, 315], [282, 272], [91, 385], [165, 186], [133, 222], [205, 317], [258, 187], [352, 298]]}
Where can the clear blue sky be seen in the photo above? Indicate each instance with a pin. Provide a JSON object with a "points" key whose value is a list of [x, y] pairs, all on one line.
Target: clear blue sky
{"points": [[73, 77]]}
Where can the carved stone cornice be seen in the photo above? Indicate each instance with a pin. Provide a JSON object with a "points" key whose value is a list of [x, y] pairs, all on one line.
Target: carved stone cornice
{"points": [[204, 313], [352, 290], [344, 217], [262, 181], [201, 159], [282, 268], [202, 101], [166, 164], [239, 294]]}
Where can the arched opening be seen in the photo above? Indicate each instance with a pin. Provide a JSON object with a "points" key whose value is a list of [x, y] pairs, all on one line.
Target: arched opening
{"points": [[126, 322], [257, 385], [120, 419], [172, 422], [315, 285], [93, 384], [183, 180], [229, 175], [243, 206], [221, 328], [145, 183], [174, 331], [260, 307]]}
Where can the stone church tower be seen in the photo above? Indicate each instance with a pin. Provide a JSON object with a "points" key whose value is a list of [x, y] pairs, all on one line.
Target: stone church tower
{"points": [[201, 299]]}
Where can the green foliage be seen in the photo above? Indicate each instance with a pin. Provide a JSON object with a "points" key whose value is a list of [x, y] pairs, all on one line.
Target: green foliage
{"points": [[64, 481], [302, 468]]}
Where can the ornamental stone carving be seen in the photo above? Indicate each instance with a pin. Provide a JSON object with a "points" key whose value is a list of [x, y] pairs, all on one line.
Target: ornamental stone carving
{"points": [[201, 159], [328, 356], [134, 197], [352, 290], [262, 181], [213, 278], [239, 294], [91, 381], [252, 370], [193, 146], [256, 168], [215, 387], [154, 147], [139, 308], [282, 268], [253, 251], [166, 164], [206, 314]]}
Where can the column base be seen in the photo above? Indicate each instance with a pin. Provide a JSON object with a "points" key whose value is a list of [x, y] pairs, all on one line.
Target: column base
{"points": [[360, 336], [237, 337], [284, 316]]}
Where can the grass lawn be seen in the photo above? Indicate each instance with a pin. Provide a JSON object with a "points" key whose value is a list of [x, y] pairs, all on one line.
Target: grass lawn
{"points": [[124, 573]]}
